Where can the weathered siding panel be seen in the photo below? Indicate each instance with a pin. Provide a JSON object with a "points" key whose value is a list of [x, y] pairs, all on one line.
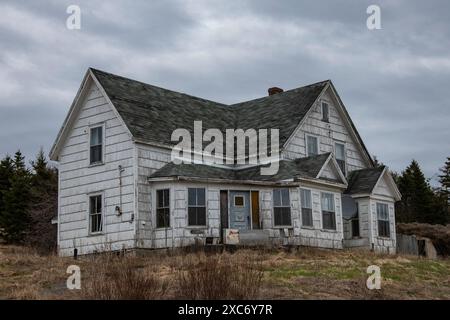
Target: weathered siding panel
{"points": [[328, 133], [78, 179]]}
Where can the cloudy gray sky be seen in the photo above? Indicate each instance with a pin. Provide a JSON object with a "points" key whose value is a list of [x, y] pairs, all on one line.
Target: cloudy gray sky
{"points": [[394, 81]]}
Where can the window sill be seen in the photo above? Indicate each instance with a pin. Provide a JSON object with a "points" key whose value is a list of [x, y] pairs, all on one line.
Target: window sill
{"points": [[329, 230], [307, 227], [163, 228], [96, 164], [197, 227], [96, 234], [283, 227], [384, 238]]}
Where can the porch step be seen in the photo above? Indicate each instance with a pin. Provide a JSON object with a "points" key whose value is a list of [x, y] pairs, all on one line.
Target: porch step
{"points": [[254, 237]]}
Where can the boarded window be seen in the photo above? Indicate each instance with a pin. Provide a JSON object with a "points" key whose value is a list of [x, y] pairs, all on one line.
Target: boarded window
{"points": [[383, 220], [162, 208], [95, 214], [340, 156], [325, 112], [312, 145], [196, 207], [305, 199], [239, 201], [328, 211], [281, 207], [96, 145]]}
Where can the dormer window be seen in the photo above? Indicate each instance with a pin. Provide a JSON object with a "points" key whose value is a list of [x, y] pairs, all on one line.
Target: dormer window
{"points": [[325, 112]]}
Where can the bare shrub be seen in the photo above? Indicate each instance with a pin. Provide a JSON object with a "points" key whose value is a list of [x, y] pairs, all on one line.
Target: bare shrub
{"points": [[120, 278], [220, 276]]}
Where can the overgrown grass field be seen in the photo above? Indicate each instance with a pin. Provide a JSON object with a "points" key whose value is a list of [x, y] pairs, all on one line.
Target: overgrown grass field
{"points": [[306, 273]]}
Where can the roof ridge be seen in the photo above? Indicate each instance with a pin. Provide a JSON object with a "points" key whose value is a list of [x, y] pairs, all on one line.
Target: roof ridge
{"points": [[157, 87], [207, 100]]}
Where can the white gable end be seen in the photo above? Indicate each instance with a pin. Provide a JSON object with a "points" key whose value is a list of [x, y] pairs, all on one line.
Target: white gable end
{"points": [[328, 133], [330, 172], [79, 179]]}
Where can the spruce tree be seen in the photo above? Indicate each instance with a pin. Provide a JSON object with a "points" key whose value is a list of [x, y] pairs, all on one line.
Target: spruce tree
{"points": [[44, 195], [444, 179], [6, 172], [14, 217], [419, 203]]}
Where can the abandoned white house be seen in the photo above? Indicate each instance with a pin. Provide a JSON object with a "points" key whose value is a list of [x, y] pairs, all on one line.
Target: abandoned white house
{"points": [[119, 189]]}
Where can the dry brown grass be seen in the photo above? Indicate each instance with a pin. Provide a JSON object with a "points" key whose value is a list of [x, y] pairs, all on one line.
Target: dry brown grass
{"points": [[121, 278], [246, 274], [221, 276]]}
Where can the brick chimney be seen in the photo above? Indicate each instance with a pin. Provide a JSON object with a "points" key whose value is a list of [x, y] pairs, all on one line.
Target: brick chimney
{"points": [[274, 90]]}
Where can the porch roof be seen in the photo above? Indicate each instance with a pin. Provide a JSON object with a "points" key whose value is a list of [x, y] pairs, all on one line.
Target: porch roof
{"points": [[308, 167]]}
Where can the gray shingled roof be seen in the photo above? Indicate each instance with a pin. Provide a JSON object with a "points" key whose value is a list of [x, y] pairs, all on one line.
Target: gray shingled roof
{"points": [[363, 181], [289, 169], [152, 113]]}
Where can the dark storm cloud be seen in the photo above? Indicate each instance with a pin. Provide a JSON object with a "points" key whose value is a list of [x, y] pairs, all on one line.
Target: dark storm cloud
{"points": [[393, 81]]}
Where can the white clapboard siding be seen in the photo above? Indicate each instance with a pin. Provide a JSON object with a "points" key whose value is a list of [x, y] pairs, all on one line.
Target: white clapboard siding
{"points": [[78, 179], [328, 134], [149, 160]]}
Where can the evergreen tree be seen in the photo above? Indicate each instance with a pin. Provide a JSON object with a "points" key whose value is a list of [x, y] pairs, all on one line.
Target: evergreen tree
{"points": [[44, 204], [14, 218], [6, 172], [444, 179], [419, 203]]}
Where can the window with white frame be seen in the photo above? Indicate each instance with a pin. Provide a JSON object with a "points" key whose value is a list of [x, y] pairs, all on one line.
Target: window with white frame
{"points": [[339, 149], [328, 211], [306, 203], [383, 220], [163, 208], [281, 207], [325, 112], [96, 145], [312, 145], [95, 214], [196, 207]]}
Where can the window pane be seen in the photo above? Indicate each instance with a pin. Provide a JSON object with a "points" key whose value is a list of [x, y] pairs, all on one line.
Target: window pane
{"points": [[239, 201], [285, 197], [305, 198], [277, 216], [312, 145], [96, 136], [192, 197], [328, 220], [159, 198], [341, 164], [325, 111], [307, 217], [200, 197], [192, 216], [327, 202], [166, 198], [383, 228], [96, 154], [286, 216], [340, 151], [276, 197], [382, 211], [201, 216]]}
